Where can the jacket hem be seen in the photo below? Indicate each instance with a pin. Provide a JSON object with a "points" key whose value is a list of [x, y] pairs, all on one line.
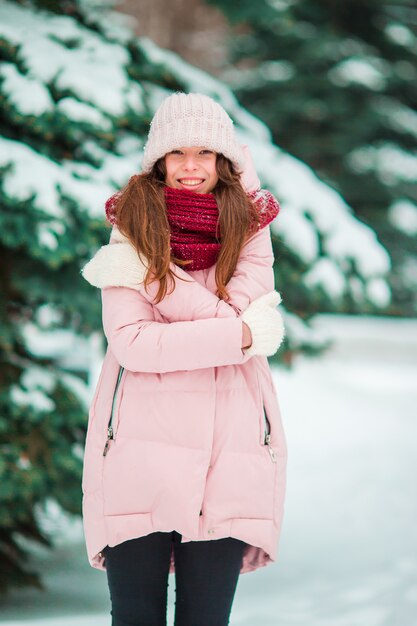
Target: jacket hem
{"points": [[120, 528]]}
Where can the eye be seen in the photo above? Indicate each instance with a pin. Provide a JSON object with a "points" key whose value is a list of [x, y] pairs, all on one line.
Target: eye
{"points": [[206, 151], [175, 152]]}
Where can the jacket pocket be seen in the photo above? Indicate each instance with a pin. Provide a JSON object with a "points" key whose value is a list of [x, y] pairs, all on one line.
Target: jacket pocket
{"points": [[92, 409], [267, 436], [115, 408]]}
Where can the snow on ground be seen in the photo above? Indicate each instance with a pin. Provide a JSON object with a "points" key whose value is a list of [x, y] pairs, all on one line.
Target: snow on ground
{"points": [[348, 552]]}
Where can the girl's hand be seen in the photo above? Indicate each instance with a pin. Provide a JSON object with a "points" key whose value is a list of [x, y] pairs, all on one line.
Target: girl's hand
{"points": [[246, 336], [115, 265], [265, 323]]}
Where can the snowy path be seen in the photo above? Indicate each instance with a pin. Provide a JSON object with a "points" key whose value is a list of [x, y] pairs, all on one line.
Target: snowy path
{"points": [[348, 554]]}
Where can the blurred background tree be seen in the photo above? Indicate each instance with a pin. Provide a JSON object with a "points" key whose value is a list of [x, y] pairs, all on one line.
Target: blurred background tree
{"points": [[77, 93], [337, 85]]}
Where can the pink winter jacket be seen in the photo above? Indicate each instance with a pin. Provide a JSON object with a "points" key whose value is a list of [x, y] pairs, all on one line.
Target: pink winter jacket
{"points": [[184, 428]]}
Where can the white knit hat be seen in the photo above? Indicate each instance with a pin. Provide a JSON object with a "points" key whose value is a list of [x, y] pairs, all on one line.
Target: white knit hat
{"points": [[189, 120]]}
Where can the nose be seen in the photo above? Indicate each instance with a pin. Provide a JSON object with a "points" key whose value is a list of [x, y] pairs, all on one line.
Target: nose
{"points": [[190, 163]]}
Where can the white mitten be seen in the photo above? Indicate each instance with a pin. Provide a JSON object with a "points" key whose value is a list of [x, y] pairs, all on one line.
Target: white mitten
{"points": [[265, 323], [115, 265]]}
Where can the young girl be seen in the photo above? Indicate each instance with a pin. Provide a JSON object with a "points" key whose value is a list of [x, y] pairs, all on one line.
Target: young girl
{"points": [[185, 456]]}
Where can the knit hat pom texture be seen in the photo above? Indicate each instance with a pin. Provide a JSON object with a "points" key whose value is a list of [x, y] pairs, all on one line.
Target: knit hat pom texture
{"points": [[191, 120]]}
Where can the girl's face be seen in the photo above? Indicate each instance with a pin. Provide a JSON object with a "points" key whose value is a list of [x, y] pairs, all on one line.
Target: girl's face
{"points": [[191, 168]]}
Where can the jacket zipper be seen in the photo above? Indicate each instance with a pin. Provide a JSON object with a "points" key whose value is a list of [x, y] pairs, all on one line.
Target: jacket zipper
{"points": [[110, 431], [267, 440]]}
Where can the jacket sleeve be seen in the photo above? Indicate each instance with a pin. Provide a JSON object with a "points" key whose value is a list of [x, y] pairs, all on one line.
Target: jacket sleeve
{"points": [[141, 344], [253, 277], [254, 274]]}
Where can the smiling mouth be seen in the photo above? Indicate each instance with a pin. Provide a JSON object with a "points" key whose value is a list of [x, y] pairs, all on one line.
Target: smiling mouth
{"points": [[191, 182]]}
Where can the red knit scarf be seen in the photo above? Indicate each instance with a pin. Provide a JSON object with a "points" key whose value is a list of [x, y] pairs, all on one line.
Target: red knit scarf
{"points": [[193, 218]]}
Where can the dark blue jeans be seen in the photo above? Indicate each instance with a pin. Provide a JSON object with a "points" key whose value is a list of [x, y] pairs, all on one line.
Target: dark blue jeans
{"points": [[206, 576]]}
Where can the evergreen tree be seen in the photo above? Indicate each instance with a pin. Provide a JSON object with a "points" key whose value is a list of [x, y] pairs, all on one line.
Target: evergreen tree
{"points": [[77, 93], [336, 82]]}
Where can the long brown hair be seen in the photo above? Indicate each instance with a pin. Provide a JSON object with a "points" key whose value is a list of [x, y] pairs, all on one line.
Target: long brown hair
{"points": [[140, 213]]}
